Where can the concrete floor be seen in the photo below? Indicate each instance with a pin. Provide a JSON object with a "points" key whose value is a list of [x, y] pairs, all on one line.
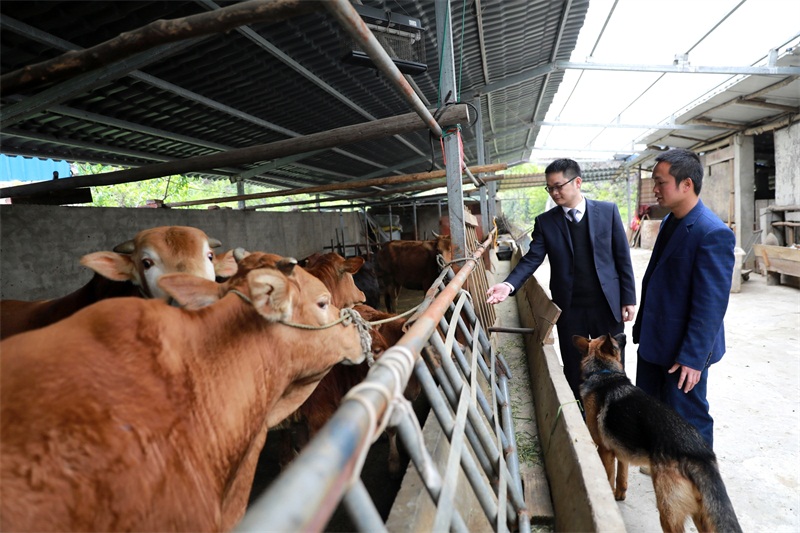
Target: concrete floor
{"points": [[754, 393]]}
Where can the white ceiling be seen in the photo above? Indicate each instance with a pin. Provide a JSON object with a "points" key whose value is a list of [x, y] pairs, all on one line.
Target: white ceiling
{"points": [[715, 33]]}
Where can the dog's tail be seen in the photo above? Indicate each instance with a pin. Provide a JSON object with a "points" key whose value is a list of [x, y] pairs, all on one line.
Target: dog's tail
{"points": [[717, 510]]}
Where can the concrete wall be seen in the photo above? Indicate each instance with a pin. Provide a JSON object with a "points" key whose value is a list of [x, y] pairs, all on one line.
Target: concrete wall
{"points": [[787, 165], [581, 494], [40, 246]]}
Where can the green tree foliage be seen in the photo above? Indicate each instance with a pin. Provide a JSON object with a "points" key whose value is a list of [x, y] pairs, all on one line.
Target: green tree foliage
{"points": [[171, 189], [522, 206], [614, 191]]}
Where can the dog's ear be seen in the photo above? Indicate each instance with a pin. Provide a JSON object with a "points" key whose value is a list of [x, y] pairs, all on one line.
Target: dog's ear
{"points": [[621, 340], [581, 343], [609, 344]]}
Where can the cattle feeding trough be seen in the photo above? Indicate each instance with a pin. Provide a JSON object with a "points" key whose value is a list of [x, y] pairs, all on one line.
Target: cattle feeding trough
{"points": [[467, 389]]}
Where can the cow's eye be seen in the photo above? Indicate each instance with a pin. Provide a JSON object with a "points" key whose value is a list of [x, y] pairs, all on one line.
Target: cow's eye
{"points": [[147, 263], [211, 256], [323, 304]]}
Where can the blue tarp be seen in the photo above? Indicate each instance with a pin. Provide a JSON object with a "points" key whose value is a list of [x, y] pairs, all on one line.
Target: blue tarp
{"points": [[18, 168]]}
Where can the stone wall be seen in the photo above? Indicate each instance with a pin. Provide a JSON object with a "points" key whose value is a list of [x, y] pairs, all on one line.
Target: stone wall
{"points": [[40, 246]]}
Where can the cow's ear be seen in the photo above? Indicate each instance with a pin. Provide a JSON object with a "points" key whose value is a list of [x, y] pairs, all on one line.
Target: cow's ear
{"points": [[581, 343], [353, 264], [225, 265], [111, 265], [270, 294], [191, 292]]}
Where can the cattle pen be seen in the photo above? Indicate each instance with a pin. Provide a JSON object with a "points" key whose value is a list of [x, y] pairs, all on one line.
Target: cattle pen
{"points": [[329, 469], [464, 472]]}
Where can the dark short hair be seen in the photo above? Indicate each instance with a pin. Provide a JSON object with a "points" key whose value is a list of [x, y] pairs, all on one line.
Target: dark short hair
{"points": [[569, 167], [683, 164]]}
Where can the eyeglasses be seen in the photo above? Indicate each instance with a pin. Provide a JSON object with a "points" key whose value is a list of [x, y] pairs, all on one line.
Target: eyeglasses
{"points": [[555, 188]]}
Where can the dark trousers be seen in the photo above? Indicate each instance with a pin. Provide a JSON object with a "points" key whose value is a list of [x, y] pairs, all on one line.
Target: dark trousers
{"points": [[589, 322], [656, 381]]}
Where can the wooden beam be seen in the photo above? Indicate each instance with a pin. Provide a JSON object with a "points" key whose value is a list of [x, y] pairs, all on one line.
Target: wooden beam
{"points": [[156, 33], [456, 114], [75, 196], [342, 186]]}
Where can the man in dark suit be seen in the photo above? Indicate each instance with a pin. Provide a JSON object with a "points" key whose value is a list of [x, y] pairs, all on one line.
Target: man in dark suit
{"points": [[591, 277], [685, 293]]}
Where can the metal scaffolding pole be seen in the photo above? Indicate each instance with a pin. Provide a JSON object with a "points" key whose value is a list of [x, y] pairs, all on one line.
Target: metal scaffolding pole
{"points": [[351, 21], [452, 151]]}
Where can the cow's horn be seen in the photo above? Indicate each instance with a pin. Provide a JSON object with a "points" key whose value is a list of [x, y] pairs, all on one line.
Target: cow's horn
{"points": [[435, 235], [286, 265], [239, 254], [126, 247], [214, 243]]}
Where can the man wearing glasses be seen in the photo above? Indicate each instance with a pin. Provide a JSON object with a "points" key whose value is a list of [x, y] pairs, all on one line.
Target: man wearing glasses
{"points": [[591, 277]]}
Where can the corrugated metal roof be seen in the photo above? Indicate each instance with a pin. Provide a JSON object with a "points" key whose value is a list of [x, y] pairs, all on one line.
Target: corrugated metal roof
{"points": [[268, 82]]}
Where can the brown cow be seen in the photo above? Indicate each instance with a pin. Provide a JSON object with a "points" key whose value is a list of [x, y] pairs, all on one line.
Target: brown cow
{"points": [[132, 415], [336, 273], [132, 269], [411, 265]]}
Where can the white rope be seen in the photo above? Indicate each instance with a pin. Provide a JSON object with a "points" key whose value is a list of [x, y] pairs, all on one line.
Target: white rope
{"points": [[401, 365]]}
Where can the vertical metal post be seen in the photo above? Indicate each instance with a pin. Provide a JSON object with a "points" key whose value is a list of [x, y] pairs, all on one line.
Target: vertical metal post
{"points": [[416, 233], [486, 212], [492, 195], [343, 248], [391, 224], [366, 235], [448, 89], [240, 191], [628, 195]]}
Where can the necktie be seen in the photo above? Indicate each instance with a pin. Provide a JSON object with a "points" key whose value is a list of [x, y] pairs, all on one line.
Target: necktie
{"points": [[573, 215]]}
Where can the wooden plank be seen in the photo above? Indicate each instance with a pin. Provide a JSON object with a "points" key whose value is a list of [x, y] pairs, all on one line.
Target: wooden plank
{"points": [[719, 156], [365, 131], [779, 259], [780, 208], [76, 196], [537, 497], [156, 33]]}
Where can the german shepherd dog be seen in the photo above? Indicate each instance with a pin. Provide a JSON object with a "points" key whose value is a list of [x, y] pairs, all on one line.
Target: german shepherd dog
{"points": [[634, 428]]}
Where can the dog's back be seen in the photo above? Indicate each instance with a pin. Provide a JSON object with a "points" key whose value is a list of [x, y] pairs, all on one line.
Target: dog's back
{"points": [[642, 430]]}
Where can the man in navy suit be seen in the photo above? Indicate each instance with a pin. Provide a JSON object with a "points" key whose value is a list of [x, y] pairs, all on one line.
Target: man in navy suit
{"points": [[685, 293], [591, 278]]}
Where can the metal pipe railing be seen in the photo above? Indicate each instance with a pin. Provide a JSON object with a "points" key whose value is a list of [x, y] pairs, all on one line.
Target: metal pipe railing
{"points": [[323, 472]]}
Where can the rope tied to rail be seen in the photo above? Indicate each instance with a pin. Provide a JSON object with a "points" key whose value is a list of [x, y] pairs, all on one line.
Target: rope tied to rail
{"points": [[444, 264], [347, 317], [400, 362], [393, 318]]}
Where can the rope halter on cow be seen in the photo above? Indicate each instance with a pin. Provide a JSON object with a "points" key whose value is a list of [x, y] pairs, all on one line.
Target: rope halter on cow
{"points": [[347, 317]]}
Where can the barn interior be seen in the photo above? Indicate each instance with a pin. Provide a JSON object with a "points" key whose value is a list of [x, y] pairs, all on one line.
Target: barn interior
{"points": [[292, 98]]}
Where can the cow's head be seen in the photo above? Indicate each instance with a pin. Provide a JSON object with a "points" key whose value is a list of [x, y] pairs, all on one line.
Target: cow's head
{"points": [[280, 291], [336, 273], [158, 251], [443, 246]]}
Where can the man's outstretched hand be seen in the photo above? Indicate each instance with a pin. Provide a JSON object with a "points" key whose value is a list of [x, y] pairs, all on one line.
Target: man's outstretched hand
{"points": [[497, 293]]}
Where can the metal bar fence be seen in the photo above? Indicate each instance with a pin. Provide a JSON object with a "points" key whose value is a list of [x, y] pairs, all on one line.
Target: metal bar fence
{"points": [[448, 351]]}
